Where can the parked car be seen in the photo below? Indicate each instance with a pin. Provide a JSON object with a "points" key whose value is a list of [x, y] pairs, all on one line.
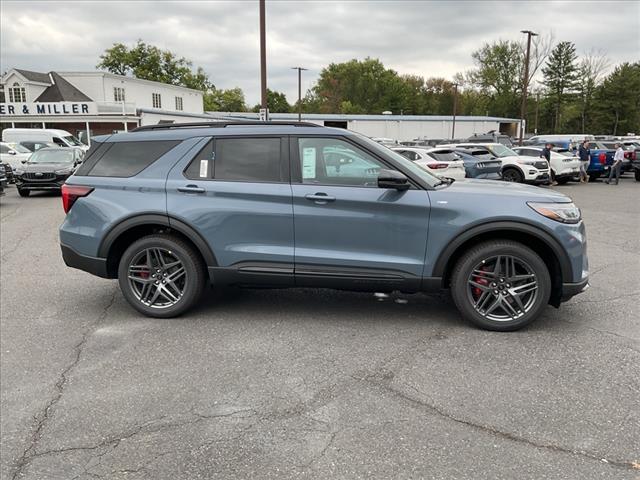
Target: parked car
{"points": [[636, 168], [47, 169], [564, 165], [61, 138], [442, 162], [491, 137], [6, 169], [387, 142], [3, 182], [13, 154], [515, 168], [169, 209], [32, 145], [570, 141], [629, 155], [601, 160], [479, 163]]}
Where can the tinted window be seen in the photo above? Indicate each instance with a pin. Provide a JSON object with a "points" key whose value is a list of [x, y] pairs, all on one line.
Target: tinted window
{"points": [[331, 161], [248, 159], [444, 156], [124, 159], [200, 166], [59, 142]]}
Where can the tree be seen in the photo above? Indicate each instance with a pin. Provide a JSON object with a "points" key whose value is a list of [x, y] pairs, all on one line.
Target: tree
{"points": [[618, 101], [276, 101], [592, 69], [148, 62], [231, 100], [560, 77], [498, 73]]}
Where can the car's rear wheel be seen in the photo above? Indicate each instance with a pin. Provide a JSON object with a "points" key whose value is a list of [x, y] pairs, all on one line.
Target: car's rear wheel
{"points": [[512, 175], [161, 276], [563, 180], [500, 285], [593, 177]]}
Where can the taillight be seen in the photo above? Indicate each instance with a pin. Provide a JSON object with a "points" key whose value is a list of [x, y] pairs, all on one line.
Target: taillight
{"points": [[603, 158], [438, 165], [70, 193]]}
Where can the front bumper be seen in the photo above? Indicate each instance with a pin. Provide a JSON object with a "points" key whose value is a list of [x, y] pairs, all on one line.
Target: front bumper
{"points": [[45, 184], [540, 179], [94, 265], [570, 290]]}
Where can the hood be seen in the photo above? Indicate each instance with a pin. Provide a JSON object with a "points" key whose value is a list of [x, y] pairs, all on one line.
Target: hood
{"points": [[497, 188], [46, 167]]}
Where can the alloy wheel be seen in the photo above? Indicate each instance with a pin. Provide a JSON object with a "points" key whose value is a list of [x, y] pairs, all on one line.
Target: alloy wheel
{"points": [[157, 277], [502, 288]]}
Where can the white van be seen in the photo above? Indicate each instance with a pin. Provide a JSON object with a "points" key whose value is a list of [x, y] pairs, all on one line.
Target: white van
{"points": [[61, 138]]}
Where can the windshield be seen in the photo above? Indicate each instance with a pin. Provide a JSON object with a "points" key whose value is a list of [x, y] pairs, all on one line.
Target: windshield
{"points": [[71, 140], [407, 164], [501, 151], [19, 148], [52, 156]]}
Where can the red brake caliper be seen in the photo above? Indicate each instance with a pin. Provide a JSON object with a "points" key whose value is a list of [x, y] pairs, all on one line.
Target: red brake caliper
{"points": [[481, 280]]}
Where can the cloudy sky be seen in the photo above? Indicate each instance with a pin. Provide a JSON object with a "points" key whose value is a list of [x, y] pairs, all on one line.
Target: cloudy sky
{"points": [[418, 37]]}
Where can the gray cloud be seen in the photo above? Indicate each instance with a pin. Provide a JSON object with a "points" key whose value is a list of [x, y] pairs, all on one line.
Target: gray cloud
{"points": [[419, 37]]}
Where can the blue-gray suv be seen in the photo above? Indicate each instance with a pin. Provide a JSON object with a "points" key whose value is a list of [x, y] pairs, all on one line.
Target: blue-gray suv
{"points": [[170, 209]]}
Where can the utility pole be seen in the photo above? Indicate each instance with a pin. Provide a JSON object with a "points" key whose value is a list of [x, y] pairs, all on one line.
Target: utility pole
{"points": [[299, 91], [537, 109], [263, 62], [525, 83], [455, 105]]}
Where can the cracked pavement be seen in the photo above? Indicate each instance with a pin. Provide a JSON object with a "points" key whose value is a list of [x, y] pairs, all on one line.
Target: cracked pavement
{"points": [[315, 383]]}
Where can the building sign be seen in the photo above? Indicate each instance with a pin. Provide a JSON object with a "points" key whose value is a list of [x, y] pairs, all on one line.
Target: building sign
{"points": [[43, 109]]}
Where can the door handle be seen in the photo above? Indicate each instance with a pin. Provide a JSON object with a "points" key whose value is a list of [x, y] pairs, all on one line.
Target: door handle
{"points": [[191, 189], [320, 198]]}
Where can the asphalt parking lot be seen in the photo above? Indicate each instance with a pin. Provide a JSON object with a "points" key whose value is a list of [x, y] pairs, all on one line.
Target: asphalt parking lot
{"points": [[315, 383]]}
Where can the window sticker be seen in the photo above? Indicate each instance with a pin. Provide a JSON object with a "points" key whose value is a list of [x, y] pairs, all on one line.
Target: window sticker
{"points": [[309, 162], [204, 168]]}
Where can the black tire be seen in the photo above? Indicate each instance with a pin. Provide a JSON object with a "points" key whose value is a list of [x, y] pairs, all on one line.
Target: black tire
{"points": [[637, 174], [593, 177], [563, 180], [194, 277], [464, 268], [512, 174], [24, 193]]}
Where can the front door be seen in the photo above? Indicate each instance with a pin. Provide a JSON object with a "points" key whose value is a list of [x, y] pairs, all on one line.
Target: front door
{"points": [[236, 193], [349, 232]]}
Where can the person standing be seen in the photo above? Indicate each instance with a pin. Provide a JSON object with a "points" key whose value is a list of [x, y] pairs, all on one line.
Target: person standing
{"points": [[546, 154], [617, 164], [585, 158]]}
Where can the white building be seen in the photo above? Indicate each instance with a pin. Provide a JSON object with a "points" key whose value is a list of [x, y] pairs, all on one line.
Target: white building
{"points": [[92, 102], [397, 127]]}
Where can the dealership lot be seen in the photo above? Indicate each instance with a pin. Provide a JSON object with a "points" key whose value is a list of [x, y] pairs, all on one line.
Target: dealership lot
{"points": [[315, 383]]}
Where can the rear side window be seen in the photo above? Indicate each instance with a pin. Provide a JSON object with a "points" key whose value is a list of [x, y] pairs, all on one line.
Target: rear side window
{"points": [[123, 159], [444, 156], [248, 159]]}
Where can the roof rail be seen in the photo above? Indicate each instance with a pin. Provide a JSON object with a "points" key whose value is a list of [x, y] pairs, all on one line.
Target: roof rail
{"points": [[214, 124]]}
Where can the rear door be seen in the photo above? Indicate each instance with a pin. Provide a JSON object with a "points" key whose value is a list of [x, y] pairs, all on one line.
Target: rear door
{"points": [[235, 193], [349, 232]]}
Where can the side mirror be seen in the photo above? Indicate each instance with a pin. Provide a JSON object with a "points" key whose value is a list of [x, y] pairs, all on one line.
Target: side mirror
{"points": [[393, 179], [23, 161], [12, 152]]}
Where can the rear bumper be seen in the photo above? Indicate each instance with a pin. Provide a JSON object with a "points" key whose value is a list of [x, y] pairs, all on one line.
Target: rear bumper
{"points": [[94, 265], [570, 290]]}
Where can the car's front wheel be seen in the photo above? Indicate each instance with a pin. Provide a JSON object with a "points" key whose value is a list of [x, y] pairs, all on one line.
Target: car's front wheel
{"points": [[500, 285], [637, 174], [23, 193], [512, 175], [161, 275]]}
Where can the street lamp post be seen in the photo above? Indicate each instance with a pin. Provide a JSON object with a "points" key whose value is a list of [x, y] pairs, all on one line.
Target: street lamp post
{"points": [[300, 69], [525, 82], [263, 62], [455, 105]]}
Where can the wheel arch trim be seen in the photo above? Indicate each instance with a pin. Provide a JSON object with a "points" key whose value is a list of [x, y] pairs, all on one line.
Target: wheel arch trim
{"points": [[157, 219], [440, 266]]}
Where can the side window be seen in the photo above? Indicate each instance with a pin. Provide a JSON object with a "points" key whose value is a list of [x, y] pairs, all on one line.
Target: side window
{"points": [[59, 142], [593, 145], [4, 149], [331, 161], [201, 166], [248, 159], [123, 159]]}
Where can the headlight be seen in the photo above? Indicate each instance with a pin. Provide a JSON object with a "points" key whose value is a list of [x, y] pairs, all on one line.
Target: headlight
{"points": [[560, 212], [65, 171]]}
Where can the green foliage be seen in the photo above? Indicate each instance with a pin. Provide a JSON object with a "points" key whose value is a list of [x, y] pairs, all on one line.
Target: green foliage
{"points": [[618, 101], [148, 62], [560, 78], [230, 100], [276, 101]]}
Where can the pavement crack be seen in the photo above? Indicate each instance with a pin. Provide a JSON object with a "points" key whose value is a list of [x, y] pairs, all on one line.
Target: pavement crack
{"points": [[416, 402], [42, 418]]}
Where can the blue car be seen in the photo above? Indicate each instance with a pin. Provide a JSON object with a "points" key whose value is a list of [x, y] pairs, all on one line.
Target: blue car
{"points": [[171, 210], [480, 163]]}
